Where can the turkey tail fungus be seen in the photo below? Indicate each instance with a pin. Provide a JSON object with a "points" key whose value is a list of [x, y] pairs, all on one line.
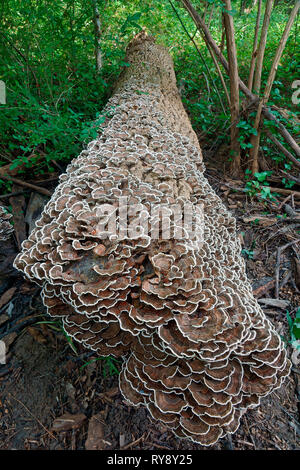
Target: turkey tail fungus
{"points": [[6, 229], [197, 348]]}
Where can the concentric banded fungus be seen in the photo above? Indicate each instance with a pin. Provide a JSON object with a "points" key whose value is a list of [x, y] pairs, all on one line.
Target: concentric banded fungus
{"points": [[6, 229], [199, 350]]}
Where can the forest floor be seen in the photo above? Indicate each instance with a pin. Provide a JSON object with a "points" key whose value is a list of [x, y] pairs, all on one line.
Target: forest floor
{"points": [[53, 398]]}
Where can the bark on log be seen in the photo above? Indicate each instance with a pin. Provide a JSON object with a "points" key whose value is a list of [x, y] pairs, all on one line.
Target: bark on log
{"points": [[198, 349]]}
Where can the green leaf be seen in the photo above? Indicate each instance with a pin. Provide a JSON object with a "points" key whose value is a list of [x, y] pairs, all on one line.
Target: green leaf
{"points": [[261, 176]]}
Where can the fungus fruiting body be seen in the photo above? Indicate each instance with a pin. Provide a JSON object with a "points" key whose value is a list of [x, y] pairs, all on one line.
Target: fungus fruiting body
{"points": [[6, 229], [198, 349]]}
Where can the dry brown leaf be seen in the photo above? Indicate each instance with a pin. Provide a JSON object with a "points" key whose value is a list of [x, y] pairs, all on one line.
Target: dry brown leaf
{"points": [[95, 433], [37, 335]]}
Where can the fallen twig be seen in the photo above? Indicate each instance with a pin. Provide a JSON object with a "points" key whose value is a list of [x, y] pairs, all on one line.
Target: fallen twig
{"points": [[284, 202], [291, 177], [264, 289], [27, 185], [133, 443], [279, 252], [254, 99], [6, 170], [16, 193], [282, 148], [285, 191]]}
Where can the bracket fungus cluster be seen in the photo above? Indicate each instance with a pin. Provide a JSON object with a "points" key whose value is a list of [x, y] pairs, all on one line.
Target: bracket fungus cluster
{"points": [[6, 229], [197, 348]]}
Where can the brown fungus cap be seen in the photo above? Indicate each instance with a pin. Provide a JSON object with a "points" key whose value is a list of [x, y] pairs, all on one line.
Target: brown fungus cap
{"points": [[6, 229]]}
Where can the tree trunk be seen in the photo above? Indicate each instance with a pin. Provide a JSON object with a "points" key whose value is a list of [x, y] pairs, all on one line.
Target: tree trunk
{"points": [[255, 42], [234, 89], [242, 6], [97, 27], [262, 47], [255, 139], [172, 299]]}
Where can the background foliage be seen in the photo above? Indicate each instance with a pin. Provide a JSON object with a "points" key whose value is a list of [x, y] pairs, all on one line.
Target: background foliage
{"points": [[55, 95]]}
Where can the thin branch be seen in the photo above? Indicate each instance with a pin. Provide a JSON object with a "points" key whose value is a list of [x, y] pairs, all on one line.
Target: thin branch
{"points": [[24, 59], [282, 148], [219, 73], [27, 185], [262, 46], [255, 42], [291, 177], [199, 52]]}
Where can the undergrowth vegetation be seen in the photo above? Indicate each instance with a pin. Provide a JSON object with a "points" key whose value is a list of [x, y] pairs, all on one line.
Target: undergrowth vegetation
{"points": [[54, 94]]}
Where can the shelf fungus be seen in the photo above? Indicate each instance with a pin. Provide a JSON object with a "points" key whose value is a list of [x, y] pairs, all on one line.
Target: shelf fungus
{"points": [[6, 229], [197, 348]]}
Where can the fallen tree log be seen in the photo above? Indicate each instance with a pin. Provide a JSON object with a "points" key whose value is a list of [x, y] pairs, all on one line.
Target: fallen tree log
{"points": [[173, 300]]}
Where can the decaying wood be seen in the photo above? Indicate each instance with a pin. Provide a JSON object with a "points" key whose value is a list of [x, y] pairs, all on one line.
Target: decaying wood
{"points": [[278, 260], [198, 350], [283, 149]]}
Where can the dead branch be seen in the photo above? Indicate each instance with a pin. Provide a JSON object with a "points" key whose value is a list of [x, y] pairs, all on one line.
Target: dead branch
{"points": [[283, 149], [27, 185], [5, 170], [255, 139], [219, 73], [202, 58], [291, 177], [279, 252]]}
